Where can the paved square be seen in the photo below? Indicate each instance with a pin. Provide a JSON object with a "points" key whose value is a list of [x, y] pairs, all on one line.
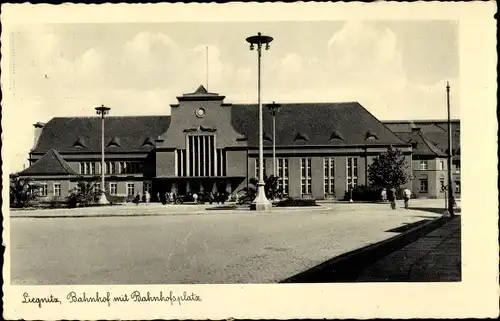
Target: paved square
{"points": [[153, 246]]}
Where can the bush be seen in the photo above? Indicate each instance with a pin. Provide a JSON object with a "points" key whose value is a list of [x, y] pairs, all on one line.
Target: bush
{"points": [[291, 202], [364, 193]]}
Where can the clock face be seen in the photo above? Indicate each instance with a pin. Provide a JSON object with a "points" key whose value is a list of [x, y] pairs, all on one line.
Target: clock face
{"points": [[200, 112]]}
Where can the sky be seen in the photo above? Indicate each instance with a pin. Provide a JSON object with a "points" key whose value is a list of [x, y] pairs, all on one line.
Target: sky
{"points": [[395, 69]]}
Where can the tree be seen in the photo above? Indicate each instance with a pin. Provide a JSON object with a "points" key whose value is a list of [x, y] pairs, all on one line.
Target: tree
{"points": [[83, 194], [389, 169], [22, 191], [271, 188]]}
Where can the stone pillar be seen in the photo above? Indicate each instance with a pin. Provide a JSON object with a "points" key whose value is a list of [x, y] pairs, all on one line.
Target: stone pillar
{"points": [[188, 187], [214, 187]]}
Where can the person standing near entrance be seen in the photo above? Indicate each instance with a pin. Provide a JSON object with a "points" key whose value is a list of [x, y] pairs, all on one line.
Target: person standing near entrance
{"points": [[195, 198], [148, 197], [407, 196]]}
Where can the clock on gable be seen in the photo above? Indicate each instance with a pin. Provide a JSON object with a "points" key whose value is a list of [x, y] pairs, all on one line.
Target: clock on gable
{"points": [[200, 112]]}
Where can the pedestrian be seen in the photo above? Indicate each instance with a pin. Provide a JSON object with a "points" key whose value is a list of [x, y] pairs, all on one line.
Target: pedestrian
{"points": [[195, 198], [158, 197], [165, 201], [392, 197], [137, 198], [384, 194], [406, 196], [148, 197], [171, 197]]}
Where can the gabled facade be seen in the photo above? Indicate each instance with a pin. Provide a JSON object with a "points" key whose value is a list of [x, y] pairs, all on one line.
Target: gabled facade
{"points": [[208, 145]]}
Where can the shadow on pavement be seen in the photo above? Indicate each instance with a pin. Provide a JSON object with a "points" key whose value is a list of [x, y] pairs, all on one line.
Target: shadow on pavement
{"points": [[437, 210], [407, 226]]}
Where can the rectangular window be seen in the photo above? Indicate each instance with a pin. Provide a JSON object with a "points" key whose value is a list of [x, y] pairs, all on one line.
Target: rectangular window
{"points": [[457, 186], [113, 189], [147, 187], [57, 189], [305, 175], [352, 172], [424, 186], [43, 189], [441, 165], [201, 157], [424, 165], [97, 187], [130, 189], [456, 163], [283, 175], [329, 175]]}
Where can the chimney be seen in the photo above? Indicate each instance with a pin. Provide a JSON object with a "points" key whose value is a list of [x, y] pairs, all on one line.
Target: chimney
{"points": [[38, 131]]}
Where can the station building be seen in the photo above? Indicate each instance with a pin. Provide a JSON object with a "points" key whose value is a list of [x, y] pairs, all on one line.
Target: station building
{"points": [[206, 144]]}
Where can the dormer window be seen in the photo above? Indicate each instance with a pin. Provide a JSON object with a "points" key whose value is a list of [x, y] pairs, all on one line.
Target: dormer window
{"points": [[114, 142], [80, 142], [371, 136], [336, 135], [301, 136], [148, 142]]}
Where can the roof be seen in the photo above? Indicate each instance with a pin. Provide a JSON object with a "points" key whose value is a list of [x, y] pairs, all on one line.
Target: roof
{"points": [[440, 139], [51, 163], [83, 134], [427, 126], [313, 124], [421, 146]]}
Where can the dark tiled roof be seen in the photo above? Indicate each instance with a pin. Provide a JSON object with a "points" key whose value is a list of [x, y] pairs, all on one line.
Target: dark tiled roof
{"points": [[51, 163], [421, 145], [440, 139], [317, 122], [83, 134], [427, 126]]}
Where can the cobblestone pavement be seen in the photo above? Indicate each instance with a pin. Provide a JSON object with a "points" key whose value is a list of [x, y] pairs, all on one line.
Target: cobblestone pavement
{"points": [[433, 257], [211, 247]]}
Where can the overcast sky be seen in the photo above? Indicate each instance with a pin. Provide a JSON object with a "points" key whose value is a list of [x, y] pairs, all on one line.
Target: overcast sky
{"points": [[396, 69]]}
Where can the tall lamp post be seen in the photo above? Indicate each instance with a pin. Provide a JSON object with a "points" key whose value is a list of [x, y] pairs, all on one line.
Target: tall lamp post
{"points": [[450, 155], [260, 203], [274, 108], [103, 111]]}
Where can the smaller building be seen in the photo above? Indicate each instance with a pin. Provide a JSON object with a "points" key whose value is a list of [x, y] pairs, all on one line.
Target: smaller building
{"points": [[429, 140]]}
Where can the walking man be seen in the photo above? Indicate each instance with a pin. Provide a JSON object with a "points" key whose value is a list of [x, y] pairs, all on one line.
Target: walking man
{"points": [[392, 197], [407, 196]]}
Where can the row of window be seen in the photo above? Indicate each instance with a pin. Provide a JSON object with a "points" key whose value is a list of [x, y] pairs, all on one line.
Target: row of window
{"points": [[424, 185], [113, 188], [89, 168], [424, 165], [306, 174]]}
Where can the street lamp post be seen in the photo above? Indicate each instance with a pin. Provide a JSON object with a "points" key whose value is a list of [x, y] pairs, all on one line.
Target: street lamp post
{"points": [[260, 203], [103, 111], [450, 155], [274, 110]]}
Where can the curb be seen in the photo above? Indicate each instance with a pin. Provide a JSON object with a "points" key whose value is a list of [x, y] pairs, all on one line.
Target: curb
{"points": [[346, 267]]}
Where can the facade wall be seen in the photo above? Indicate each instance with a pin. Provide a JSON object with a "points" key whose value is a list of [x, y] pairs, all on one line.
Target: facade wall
{"points": [[165, 164], [236, 163], [317, 178], [65, 188], [436, 173]]}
